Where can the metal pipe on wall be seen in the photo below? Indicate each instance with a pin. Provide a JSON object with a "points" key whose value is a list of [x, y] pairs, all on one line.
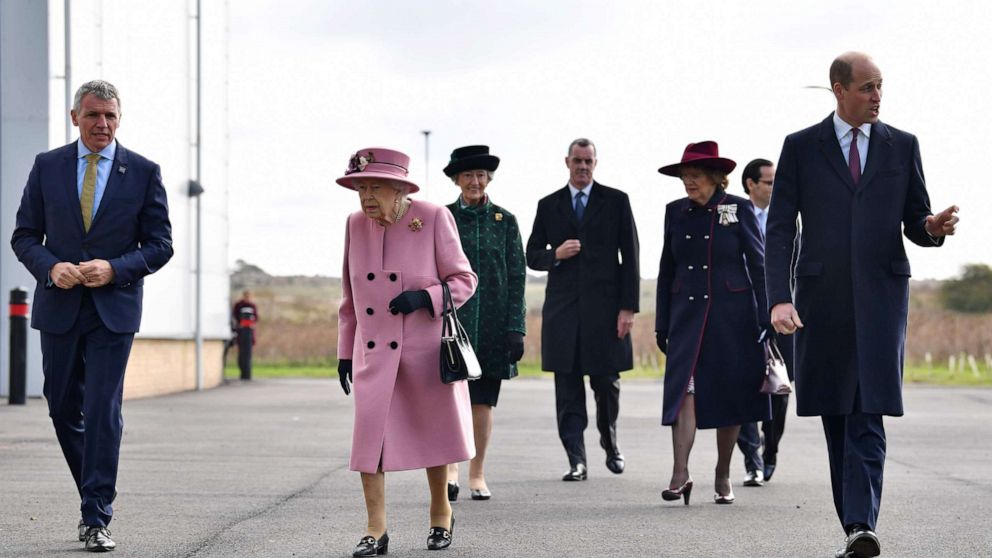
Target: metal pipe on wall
{"points": [[67, 25], [199, 213]]}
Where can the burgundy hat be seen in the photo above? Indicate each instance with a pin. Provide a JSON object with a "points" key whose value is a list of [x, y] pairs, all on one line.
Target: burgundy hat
{"points": [[378, 162], [702, 154]]}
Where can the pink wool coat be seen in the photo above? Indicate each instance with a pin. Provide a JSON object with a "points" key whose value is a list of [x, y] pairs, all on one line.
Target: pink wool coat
{"points": [[405, 418]]}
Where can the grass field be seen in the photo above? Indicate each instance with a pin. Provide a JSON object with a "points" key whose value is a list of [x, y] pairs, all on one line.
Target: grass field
{"points": [[939, 375]]}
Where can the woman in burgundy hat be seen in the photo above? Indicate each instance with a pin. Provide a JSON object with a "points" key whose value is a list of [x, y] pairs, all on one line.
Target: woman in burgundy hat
{"points": [[397, 252], [710, 315]]}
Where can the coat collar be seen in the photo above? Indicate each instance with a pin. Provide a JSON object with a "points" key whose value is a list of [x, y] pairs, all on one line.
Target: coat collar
{"points": [[716, 199], [116, 182], [593, 206], [879, 150], [480, 209]]}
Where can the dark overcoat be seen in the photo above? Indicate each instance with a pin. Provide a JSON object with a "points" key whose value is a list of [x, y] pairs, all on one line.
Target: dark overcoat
{"points": [[491, 241], [852, 273], [710, 307], [585, 293]]}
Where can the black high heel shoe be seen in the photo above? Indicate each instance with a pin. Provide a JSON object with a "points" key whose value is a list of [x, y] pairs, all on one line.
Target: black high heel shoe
{"points": [[452, 491], [369, 546], [439, 538], [681, 492]]}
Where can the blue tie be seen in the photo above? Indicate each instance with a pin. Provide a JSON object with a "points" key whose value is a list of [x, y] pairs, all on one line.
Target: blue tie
{"points": [[580, 205]]}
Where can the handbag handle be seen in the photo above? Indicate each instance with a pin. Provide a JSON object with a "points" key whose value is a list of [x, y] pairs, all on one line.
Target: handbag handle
{"points": [[447, 309], [772, 348]]}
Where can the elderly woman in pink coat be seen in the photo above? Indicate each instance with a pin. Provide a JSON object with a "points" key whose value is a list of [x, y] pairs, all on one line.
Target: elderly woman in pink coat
{"points": [[397, 252]]}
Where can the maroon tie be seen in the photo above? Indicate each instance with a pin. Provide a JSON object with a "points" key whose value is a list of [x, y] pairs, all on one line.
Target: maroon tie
{"points": [[854, 157]]}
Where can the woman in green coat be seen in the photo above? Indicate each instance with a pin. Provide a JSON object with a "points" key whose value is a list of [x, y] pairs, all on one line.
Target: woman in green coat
{"points": [[494, 316]]}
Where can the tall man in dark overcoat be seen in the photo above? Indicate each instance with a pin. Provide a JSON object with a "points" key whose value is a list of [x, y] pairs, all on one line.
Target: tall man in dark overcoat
{"points": [[584, 236], [857, 184], [92, 223]]}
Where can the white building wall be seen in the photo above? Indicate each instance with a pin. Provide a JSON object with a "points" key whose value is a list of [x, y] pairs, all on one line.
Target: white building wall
{"points": [[147, 48]]}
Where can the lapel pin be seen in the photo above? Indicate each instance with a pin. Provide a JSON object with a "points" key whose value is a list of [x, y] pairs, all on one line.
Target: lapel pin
{"points": [[499, 216], [122, 170]]}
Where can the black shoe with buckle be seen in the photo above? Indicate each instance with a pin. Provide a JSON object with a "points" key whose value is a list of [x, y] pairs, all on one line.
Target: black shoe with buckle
{"points": [[369, 546], [439, 538], [98, 539], [578, 472]]}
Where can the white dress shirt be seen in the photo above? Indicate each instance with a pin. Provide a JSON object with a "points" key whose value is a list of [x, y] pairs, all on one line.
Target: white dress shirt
{"points": [[843, 131]]}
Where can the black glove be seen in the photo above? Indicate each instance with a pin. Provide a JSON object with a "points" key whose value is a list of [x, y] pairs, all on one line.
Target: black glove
{"points": [[514, 345], [662, 340], [344, 371], [408, 301], [766, 332]]}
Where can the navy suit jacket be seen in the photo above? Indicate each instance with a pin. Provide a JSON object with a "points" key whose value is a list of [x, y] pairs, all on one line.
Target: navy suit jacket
{"points": [[852, 273], [131, 230]]}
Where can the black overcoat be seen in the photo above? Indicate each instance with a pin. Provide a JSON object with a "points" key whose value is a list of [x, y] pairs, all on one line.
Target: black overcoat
{"points": [[710, 307], [852, 273], [585, 293]]}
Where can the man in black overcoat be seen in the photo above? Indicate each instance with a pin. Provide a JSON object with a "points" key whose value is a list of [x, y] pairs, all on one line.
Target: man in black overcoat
{"points": [[857, 184], [585, 238]]}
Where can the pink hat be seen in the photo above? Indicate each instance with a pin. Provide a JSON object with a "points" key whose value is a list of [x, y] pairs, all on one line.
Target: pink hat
{"points": [[702, 154], [377, 162]]}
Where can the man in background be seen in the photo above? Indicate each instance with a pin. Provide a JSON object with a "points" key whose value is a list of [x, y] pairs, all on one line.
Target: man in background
{"points": [[758, 179], [585, 238]]}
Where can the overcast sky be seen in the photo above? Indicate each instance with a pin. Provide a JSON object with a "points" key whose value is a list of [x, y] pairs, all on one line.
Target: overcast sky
{"points": [[313, 81]]}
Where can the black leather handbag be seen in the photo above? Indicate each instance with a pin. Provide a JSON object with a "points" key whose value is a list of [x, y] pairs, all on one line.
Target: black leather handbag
{"points": [[458, 360]]}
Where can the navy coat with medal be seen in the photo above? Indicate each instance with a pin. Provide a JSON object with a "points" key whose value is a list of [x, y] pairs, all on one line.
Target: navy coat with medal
{"points": [[710, 307]]}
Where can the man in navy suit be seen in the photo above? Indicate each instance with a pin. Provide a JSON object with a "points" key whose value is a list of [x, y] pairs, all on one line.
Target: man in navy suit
{"points": [[857, 183], [93, 221], [758, 179]]}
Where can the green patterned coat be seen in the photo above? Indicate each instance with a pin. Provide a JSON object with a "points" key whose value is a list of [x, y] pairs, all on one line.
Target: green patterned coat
{"points": [[491, 240]]}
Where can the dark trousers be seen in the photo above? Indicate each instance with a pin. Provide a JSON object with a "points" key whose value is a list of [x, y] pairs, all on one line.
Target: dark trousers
{"points": [[570, 399], [856, 448], [84, 386], [750, 442], [773, 429]]}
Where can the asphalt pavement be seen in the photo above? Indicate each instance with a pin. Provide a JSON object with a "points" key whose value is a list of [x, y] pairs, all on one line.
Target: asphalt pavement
{"points": [[261, 469]]}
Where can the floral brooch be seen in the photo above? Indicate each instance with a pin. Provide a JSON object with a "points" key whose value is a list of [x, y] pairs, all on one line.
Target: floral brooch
{"points": [[416, 224], [359, 162]]}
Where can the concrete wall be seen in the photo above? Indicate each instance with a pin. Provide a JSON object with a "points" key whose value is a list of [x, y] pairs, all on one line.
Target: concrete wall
{"points": [[24, 125], [160, 366]]}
